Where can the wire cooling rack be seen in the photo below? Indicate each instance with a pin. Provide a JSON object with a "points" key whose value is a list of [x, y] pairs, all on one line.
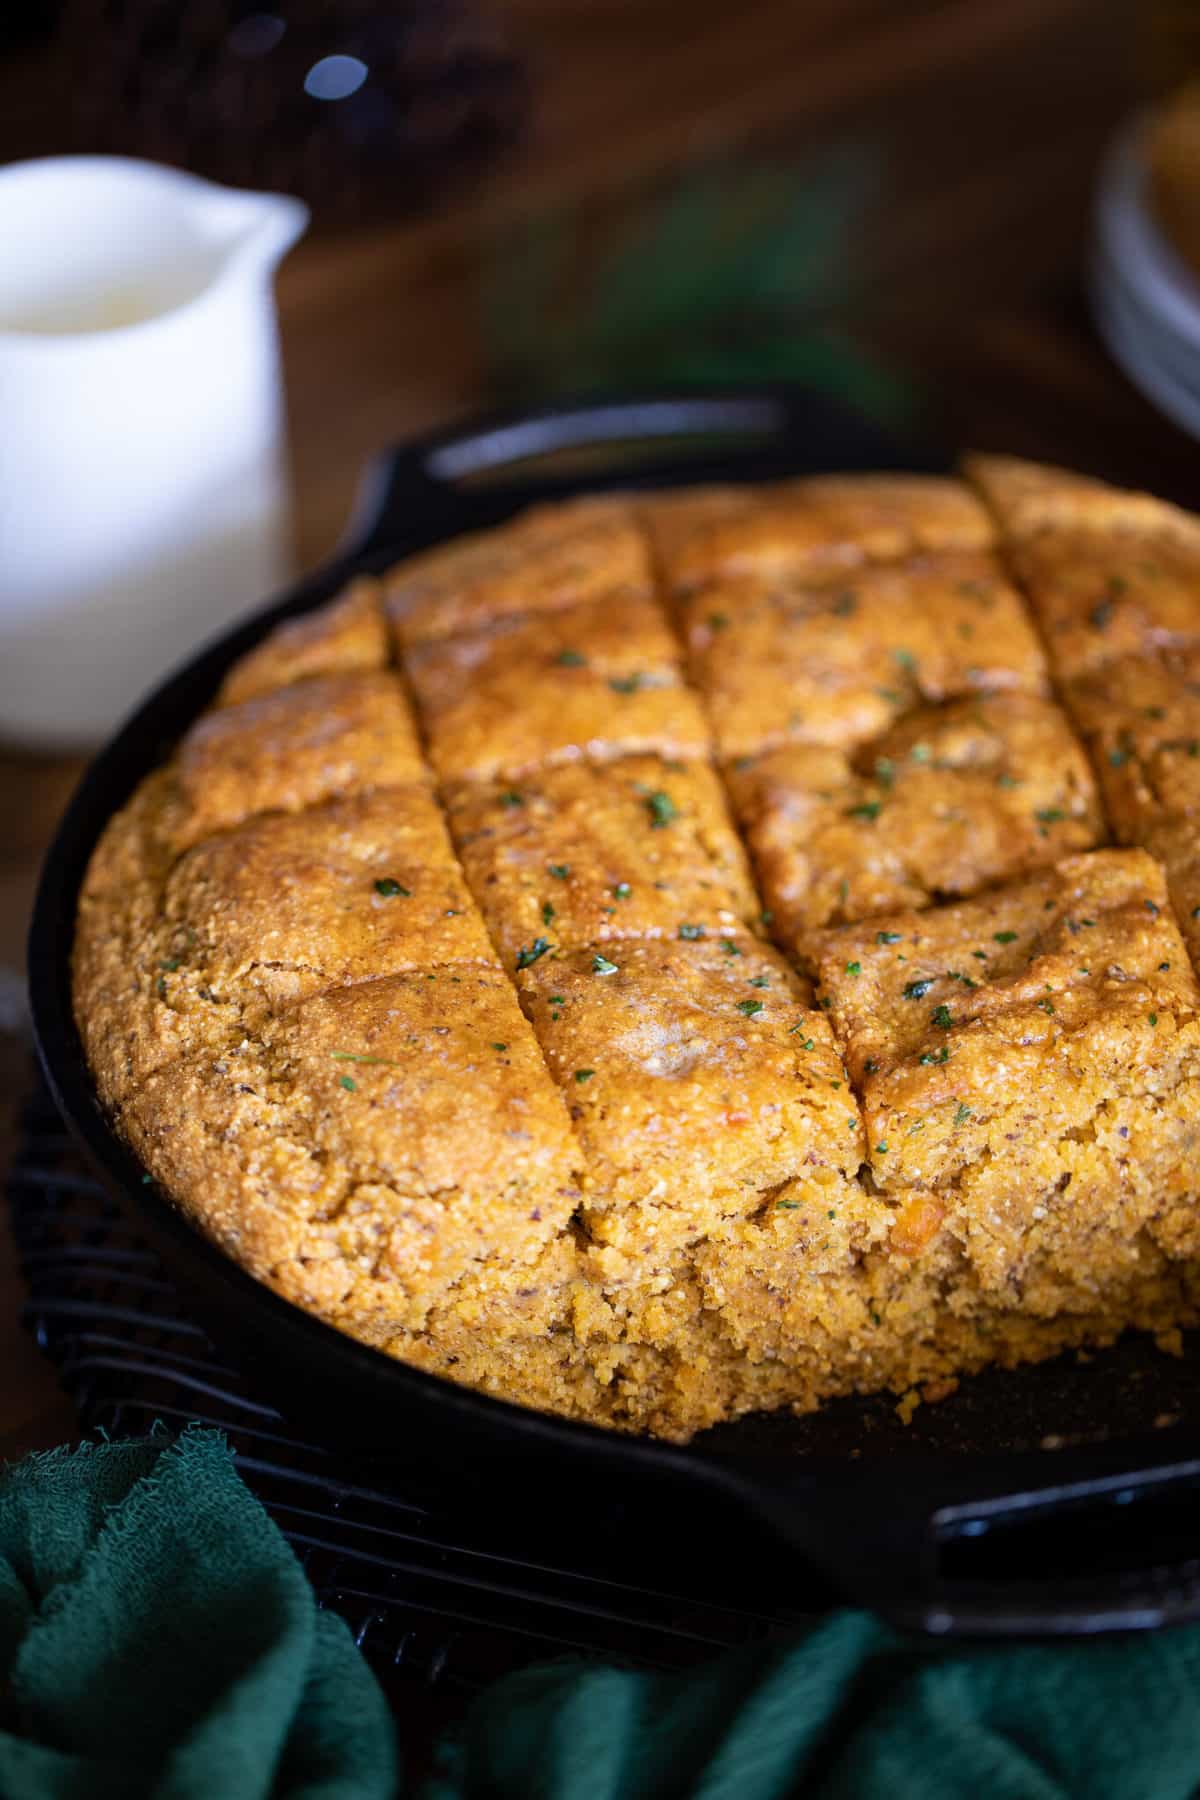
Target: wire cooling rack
{"points": [[430, 1587]]}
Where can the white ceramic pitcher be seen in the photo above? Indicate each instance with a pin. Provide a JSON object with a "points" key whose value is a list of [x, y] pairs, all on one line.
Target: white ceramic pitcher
{"points": [[143, 494]]}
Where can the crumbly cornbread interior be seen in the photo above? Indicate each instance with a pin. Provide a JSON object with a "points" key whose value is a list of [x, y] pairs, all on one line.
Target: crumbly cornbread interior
{"points": [[681, 955]]}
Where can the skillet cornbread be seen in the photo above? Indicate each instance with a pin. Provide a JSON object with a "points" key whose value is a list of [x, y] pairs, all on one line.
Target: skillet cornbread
{"points": [[676, 956]]}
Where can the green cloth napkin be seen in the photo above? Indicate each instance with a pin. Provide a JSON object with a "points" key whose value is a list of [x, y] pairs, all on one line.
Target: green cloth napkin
{"points": [[159, 1640], [851, 1712]]}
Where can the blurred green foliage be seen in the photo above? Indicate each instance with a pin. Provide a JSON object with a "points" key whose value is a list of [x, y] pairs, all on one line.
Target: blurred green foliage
{"points": [[737, 273]]}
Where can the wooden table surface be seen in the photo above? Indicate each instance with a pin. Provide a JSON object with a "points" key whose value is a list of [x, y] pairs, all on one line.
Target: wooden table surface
{"points": [[981, 124]]}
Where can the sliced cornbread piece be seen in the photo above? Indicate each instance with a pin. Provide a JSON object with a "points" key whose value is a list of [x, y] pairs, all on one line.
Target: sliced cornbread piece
{"points": [[545, 559], [701, 1085], [796, 528], [837, 664], [1104, 595], [320, 739], [278, 908], [1110, 574], [347, 635], [1140, 717], [600, 680], [993, 1030], [374, 1144], [581, 854], [353, 889], [952, 799], [1030, 497]]}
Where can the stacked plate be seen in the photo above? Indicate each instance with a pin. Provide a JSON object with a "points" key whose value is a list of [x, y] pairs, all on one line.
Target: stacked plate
{"points": [[1146, 298]]}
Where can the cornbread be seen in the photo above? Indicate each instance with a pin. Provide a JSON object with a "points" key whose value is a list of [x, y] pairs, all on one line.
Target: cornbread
{"points": [[838, 664], [670, 957]]}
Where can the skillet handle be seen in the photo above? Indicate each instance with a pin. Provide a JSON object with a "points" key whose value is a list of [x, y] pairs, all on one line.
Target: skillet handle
{"points": [[413, 494], [1109, 1542]]}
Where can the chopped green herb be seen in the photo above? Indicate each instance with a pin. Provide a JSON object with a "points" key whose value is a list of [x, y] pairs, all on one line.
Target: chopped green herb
{"points": [[920, 753], [1004, 937], [890, 695], [729, 947], [602, 966], [881, 1147], [582, 1075], [1119, 756], [749, 1007], [787, 1206], [979, 955], [793, 1029], [390, 888], [905, 659], [760, 981], [938, 1056], [885, 773], [662, 808], [718, 620], [499, 1046], [512, 798], [888, 937], [916, 990], [870, 1067], [1047, 1007], [528, 954], [854, 968], [622, 891], [1101, 613], [625, 684], [350, 1085], [1049, 815], [1152, 909], [868, 809], [766, 916], [571, 659], [942, 1017], [560, 871], [1153, 1018], [170, 964], [381, 1062], [690, 933], [963, 1114], [1163, 967], [547, 913]]}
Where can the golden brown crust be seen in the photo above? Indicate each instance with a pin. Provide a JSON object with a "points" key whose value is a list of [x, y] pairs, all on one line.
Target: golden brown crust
{"points": [[799, 528], [319, 740], [601, 680], [547, 558], [372, 1146], [1025, 1009], [953, 799], [679, 1189], [347, 635], [582, 855], [701, 1085], [1029, 498], [837, 665]]}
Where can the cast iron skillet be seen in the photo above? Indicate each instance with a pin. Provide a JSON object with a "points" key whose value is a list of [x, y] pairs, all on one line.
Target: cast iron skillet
{"points": [[1061, 1499]]}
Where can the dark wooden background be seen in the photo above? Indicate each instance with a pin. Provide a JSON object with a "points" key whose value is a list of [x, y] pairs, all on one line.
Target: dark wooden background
{"points": [[985, 120]]}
